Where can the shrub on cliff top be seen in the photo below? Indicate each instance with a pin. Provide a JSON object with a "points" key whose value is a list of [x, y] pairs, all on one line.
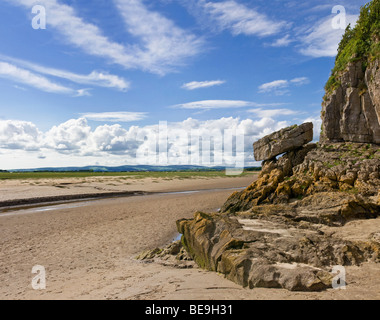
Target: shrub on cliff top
{"points": [[360, 43]]}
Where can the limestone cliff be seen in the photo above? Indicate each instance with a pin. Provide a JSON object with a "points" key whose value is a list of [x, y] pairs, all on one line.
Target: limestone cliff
{"points": [[351, 106], [351, 112]]}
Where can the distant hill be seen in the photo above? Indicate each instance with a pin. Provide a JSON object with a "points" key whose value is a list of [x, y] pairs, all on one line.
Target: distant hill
{"points": [[131, 168]]}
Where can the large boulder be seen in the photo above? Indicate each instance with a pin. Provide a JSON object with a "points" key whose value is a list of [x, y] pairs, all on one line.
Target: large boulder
{"points": [[282, 141]]}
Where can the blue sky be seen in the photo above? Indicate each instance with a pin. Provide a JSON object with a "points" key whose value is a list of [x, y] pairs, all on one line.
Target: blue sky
{"points": [[81, 90]]}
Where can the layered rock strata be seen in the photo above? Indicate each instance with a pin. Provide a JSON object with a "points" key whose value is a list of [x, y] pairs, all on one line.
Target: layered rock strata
{"points": [[283, 141], [351, 112], [275, 233]]}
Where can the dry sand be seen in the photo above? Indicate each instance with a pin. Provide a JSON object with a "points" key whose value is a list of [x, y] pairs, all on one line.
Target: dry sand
{"points": [[88, 250]]}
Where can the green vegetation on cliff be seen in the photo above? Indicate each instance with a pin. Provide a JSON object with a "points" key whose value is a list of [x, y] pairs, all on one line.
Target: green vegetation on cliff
{"points": [[361, 43]]}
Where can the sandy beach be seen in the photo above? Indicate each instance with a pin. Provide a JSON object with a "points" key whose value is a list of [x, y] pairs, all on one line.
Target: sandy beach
{"points": [[88, 247]]}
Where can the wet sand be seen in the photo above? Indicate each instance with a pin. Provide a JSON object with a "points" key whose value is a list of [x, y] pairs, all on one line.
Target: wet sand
{"points": [[16, 190], [88, 251]]}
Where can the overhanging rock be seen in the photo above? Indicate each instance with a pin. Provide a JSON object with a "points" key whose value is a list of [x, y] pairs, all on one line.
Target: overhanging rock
{"points": [[282, 141]]}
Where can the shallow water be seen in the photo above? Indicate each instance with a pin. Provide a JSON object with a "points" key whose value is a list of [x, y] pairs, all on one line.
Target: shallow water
{"points": [[69, 204]]}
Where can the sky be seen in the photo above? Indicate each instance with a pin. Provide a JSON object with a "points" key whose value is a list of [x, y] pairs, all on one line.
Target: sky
{"points": [[126, 82]]}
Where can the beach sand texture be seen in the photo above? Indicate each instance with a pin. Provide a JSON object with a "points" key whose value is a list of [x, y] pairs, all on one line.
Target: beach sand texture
{"points": [[88, 250]]}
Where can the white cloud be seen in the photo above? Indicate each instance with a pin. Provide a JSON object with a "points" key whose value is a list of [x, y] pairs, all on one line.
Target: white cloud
{"points": [[322, 40], [115, 116], [279, 87], [162, 45], [240, 19], [300, 81], [95, 78], [68, 137], [272, 113], [282, 42], [76, 143], [317, 122], [16, 134], [214, 104], [274, 85], [76, 31], [202, 84], [83, 92], [112, 139], [19, 75]]}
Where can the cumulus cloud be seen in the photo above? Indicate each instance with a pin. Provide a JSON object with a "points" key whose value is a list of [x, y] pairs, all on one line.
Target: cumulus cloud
{"points": [[202, 84], [212, 142], [70, 136], [16, 134], [112, 139], [224, 141]]}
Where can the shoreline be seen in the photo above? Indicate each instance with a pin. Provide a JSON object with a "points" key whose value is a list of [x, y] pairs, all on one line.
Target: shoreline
{"points": [[53, 200], [8, 207], [20, 190], [88, 251]]}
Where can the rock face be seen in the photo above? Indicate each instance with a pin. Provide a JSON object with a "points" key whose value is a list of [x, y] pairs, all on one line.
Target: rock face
{"points": [[352, 111], [372, 78], [271, 247], [280, 231], [341, 167], [283, 141]]}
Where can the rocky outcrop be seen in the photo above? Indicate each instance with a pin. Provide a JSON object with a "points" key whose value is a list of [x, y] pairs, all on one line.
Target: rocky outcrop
{"points": [[275, 233], [271, 247], [173, 255], [289, 227], [282, 141], [351, 112], [341, 167], [263, 190]]}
